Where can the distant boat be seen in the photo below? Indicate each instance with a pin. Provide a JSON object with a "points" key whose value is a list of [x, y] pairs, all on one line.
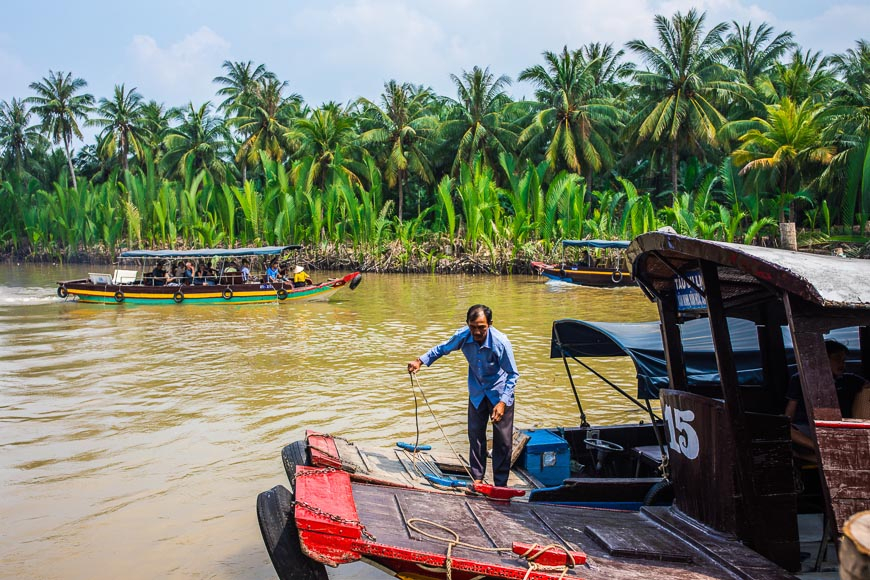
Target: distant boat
{"points": [[607, 270], [136, 283]]}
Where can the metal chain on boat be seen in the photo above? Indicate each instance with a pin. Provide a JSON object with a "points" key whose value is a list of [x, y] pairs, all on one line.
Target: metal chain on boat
{"points": [[317, 511], [331, 436], [530, 555], [345, 465]]}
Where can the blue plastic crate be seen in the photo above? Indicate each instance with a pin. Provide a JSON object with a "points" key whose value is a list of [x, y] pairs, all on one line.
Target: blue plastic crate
{"points": [[547, 457]]}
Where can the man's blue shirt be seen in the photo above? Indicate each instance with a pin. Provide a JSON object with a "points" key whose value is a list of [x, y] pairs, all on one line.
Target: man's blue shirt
{"points": [[492, 370]]}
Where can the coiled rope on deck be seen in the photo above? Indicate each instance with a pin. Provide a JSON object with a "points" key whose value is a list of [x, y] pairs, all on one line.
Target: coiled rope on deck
{"points": [[530, 555]]}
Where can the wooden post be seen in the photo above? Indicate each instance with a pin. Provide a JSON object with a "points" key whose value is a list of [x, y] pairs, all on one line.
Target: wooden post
{"points": [[672, 341], [864, 335], [774, 362], [788, 236], [734, 407]]}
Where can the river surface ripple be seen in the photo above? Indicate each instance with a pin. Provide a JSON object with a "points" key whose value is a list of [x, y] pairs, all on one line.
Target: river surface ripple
{"points": [[135, 439]]}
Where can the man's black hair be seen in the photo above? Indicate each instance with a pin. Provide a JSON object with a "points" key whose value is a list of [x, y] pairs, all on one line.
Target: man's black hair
{"points": [[833, 347], [478, 309]]}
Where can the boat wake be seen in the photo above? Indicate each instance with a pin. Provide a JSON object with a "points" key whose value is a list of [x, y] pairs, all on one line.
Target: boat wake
{"points": [[26, 295]]}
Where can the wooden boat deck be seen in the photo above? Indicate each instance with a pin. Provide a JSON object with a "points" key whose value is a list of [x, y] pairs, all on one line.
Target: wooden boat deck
{"points": [[619, 544], [399, 466]]}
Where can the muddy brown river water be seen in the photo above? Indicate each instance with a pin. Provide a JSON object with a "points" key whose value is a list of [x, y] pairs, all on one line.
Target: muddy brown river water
{"points": [[135, 439]]}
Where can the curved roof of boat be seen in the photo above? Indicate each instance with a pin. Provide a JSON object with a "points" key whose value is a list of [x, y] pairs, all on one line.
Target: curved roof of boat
{"points": [[210, 252], [829, 281], [597, 244], [642, 342]]}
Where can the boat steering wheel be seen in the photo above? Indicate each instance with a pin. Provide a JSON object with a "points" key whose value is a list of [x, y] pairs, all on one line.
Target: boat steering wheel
{"points": [[602, 445]]}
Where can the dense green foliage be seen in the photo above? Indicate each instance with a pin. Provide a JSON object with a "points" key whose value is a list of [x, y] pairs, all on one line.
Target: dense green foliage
{"points": [[719, 131]]}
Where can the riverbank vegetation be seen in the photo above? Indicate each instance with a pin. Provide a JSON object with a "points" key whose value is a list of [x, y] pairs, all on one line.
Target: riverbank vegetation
{"points": [[720, 132]]}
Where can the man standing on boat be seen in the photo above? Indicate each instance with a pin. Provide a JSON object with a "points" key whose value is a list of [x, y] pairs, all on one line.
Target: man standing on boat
{"points": [[492, 376]]}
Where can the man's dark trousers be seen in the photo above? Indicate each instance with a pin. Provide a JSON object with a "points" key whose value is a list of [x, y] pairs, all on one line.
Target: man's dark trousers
{"points": [[502, 441]]}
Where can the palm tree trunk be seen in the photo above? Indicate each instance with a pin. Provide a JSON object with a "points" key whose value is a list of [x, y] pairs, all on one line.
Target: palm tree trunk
{"points": [[675, 161], [69, 163], [125, 151], [589, 180], [401, 194]]}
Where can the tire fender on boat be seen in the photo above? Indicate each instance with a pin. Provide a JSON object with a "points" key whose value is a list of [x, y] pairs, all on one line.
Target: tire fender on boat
{"points": [[178, 296], [282, 294], [275, 513], [227, 294], [62, 292], [354, 282], [119, 296], [292, 455], [616, 276]]}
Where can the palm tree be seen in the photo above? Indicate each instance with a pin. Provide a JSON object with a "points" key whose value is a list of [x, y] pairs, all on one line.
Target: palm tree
{"points": [[201, 140], [807, 76], [477, 122], [849, 172], [326, 136], [683, 86], [122, 121], [17, 136], [783, 147], [239, 82], [753, 52], [59, 107], [265, 120], [575, 120], [607, 68], [402, 123], [156, 118]]}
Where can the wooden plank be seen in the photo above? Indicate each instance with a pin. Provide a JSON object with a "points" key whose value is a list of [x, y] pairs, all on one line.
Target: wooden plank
{"points": [[746, 563], [320, 492], [323, 451], [845, 457], [644, 540], [519, 443]]}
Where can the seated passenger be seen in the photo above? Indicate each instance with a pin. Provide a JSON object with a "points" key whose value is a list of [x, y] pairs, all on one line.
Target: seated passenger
{"points": [[158, 275], [188, 274], [246, 270], [272, 273], [849, 388], [199, 276], [301, 277]]}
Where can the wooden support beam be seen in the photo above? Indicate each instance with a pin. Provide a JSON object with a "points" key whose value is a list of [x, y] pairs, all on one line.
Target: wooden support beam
{"points": [[672, 341], [734, 406], [864, 335]]}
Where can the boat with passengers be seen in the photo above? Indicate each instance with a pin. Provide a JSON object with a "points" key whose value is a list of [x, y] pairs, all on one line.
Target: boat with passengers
{"points": [[203, 276], [599, 263], [744, 504]]}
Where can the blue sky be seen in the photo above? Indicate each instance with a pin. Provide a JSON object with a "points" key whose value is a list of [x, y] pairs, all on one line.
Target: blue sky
{"points": [[340, 50]]}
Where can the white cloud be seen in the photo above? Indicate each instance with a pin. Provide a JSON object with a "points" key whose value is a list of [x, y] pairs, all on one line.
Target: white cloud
{"points": [[16, 76], [183, 71], [835, 30]]}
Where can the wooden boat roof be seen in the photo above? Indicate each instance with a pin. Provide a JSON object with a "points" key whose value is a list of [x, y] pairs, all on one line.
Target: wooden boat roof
{"points": [[597, 244], [210, 252], [828, 281]]}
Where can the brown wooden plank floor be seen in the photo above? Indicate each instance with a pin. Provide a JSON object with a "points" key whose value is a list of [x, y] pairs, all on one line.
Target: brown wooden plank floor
{"points": [[642, 548]]}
